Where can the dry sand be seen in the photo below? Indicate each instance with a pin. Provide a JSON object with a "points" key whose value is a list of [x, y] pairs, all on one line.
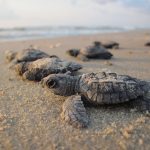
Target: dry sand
{"points": [[30, 114]]}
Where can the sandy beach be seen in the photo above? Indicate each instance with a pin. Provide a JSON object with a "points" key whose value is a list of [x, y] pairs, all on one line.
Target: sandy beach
{"points": [[30, 115]]}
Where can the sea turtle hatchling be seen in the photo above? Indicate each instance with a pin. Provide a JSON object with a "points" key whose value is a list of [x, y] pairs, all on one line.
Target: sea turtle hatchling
{"points": [[94, 51], [26, 55], [38, 69], [97, 89]]}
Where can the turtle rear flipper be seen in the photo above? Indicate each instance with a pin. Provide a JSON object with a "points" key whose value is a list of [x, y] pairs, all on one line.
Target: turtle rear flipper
{"points": [[106, 55], [74, 113], [141, 104]]}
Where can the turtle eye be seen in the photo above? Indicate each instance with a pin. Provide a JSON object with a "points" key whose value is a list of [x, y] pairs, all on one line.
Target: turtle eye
{"points": [[52, 83]]}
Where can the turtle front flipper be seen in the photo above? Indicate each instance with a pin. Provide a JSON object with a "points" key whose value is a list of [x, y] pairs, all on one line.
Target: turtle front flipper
{"points": [[20, 68], [74, 112], [29, 75], [36, 74]]}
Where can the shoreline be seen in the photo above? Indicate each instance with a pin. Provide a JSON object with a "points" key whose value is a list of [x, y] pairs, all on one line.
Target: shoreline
{"points": [[30, 114], [67, 36]]}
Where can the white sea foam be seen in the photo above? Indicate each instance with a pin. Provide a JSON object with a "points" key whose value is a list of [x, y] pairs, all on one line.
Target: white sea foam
{"points": [[49, 32]]}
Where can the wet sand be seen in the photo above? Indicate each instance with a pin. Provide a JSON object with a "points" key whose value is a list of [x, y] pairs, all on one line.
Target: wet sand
{"points": [[30, 114]]}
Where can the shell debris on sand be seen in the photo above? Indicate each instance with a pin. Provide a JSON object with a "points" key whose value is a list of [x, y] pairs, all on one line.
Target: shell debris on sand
{"points": [[2, 93], [108, 63], [2, 117], [3, 122], [55, 45], [128, 130], [141, 141], [108, 131]]}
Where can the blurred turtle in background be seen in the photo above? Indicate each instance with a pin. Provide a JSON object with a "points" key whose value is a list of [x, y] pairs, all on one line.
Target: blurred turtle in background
{"points": [[94, 51]]}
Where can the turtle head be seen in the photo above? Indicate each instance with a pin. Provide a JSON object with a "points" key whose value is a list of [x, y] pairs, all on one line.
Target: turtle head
{"points": [[60, 84], [73, 52], [97, 43]]}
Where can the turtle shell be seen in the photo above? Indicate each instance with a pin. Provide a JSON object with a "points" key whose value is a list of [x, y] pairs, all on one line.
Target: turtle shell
{"points": [[30, 55], [54, 63], [93, 51], [109, 88], [25, 55]]}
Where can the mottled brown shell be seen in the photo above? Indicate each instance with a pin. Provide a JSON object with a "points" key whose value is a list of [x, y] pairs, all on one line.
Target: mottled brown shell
{"points": [[109, 88], [54, 63], [92, 51], [26, 55]]}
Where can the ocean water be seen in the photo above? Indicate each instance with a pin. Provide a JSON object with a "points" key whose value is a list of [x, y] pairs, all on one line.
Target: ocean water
{"points": [[26, 33]]}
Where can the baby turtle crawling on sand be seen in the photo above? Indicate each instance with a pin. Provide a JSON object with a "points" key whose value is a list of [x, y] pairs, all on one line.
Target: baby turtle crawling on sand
{"points": [[98, 89], [26, 55], [94, 51], [38, 69]]}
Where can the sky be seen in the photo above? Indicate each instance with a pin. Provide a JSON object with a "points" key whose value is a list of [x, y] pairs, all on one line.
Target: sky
{"points": [[119, 13]]}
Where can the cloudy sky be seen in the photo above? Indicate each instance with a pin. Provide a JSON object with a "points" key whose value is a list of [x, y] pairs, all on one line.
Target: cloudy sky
{"points": [[129, 13]]}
